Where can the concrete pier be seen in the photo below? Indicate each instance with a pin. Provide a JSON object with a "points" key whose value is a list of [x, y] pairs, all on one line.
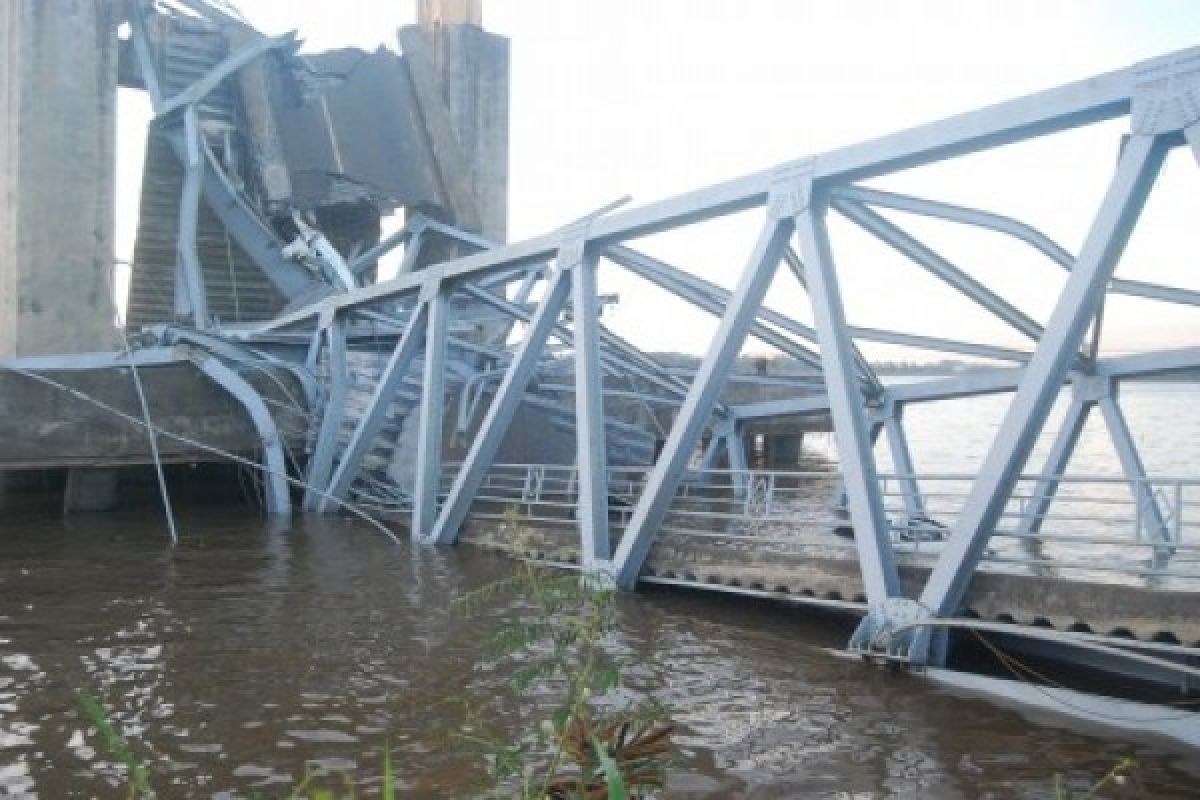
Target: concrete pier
{"points": [[58, 91]]}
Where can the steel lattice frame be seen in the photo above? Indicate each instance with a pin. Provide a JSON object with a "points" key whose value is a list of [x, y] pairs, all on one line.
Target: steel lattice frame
{"points": [[1160, 98]]}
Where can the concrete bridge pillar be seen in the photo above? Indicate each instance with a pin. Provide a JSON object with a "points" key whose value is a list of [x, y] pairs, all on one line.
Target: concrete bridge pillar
{"points": [[58, 92]]}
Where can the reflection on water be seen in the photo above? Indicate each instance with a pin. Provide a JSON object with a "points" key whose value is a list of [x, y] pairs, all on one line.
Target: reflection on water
{"points": [[249, 655]]}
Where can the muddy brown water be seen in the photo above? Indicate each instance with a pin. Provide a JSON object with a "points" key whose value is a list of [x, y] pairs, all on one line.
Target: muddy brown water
{"points": [[254, 652]]}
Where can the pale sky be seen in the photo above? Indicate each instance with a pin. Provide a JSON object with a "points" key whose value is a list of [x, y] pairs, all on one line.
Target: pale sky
{"points": [[656, 97]]}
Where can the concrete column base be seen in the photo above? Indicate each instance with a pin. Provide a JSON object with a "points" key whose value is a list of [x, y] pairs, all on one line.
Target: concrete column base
{"points": [[90, 489]]}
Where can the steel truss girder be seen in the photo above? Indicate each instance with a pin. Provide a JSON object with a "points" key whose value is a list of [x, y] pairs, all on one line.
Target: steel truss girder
{"points": [[191, 296], [855, 452], [712, 298], [902, 461], [374, 416], [1053, 469], [1074, 105], [702, 397], [947, 584], [501, 412], [1149, 512], [320, 463], [432, 416], [590, 449]]}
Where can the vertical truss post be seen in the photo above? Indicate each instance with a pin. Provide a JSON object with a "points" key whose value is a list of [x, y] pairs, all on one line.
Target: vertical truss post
{"points": [[320, 466], [191, 298], [716, 442], [839, 500], [739, 465], [412, 251], [591, 457], [872, 537], [902, 460], [706, 387], [947, 585], [375, 414], [1060, 454], [1150, 513], [500, 413], [432, 416]]}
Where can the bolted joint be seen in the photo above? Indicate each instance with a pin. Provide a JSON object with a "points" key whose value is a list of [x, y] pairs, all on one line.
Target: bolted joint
{"points": [[1091, 389], [1166, 96], [431, 286], [573, 247], [789, 193], [888, 630]]}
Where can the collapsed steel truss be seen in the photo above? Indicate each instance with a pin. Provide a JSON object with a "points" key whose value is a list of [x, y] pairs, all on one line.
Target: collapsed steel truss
{"points": [[417, 314]]}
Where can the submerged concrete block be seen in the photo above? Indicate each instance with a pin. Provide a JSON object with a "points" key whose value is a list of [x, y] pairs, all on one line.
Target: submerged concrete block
{"points": [[91, 490]]}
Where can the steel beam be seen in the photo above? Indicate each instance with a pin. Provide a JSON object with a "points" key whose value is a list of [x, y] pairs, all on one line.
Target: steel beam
{"points": [[856, 457], [275, 474], [191, 297], [500, 413], [193, 94], [902, 462], [590, 453], [432, 416], [924, 256], [712, 298], [320, 465], [1055, 467], [693, 416], [375, 414], [947, 585], [1150, 514]]}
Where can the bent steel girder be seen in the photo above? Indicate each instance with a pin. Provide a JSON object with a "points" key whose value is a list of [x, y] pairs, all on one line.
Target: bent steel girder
{"points": [[1015, 228], [947, 584], [275, 474], [924, 256], [204, 176]]}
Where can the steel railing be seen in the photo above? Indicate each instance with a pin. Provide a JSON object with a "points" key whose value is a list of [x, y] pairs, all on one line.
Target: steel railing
{"points": [[1095, 523]]}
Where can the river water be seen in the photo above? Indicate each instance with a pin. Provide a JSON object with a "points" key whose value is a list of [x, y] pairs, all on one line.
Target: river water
{"points": [[253, 652]]}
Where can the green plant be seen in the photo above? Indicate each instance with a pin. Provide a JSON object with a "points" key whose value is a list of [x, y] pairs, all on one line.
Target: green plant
{"points": [[578, 751], [115, 745], [1115, 776]]}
